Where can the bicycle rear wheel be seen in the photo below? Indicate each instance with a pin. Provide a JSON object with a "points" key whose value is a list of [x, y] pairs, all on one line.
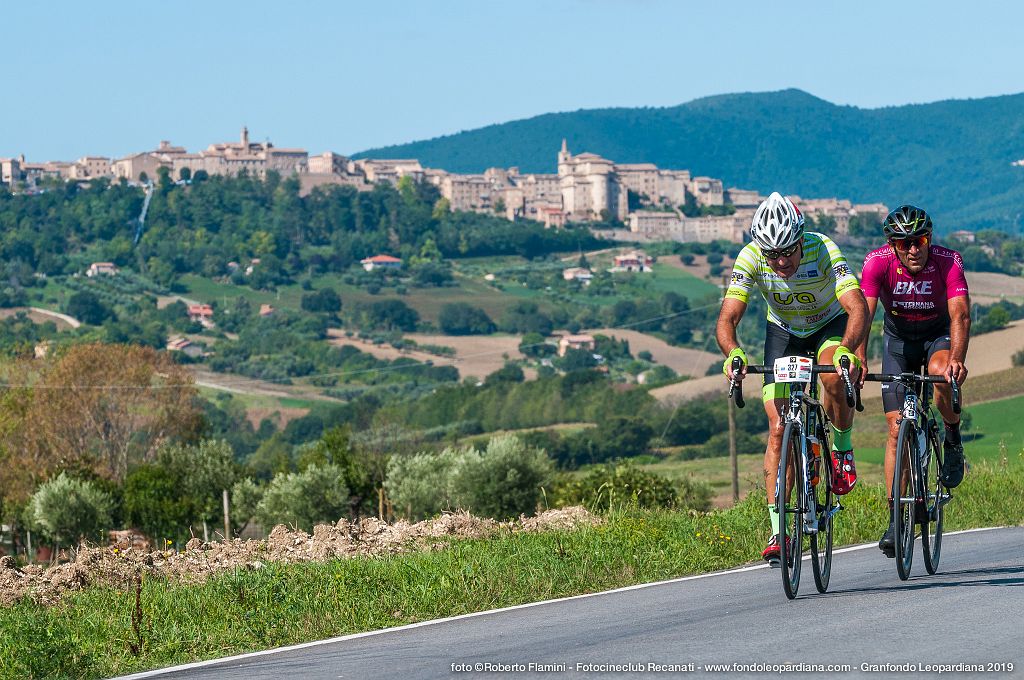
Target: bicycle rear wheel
{"points": [[936, 496], [790, 516], [903, 501], [821, 542]]}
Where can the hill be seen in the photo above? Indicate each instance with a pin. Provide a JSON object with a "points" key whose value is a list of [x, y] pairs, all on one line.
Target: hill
{"points": [[954, 157]]}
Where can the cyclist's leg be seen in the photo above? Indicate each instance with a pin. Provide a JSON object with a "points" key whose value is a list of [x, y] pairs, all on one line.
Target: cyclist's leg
{"points": [[826, 341], [938, 358], [953, 449], [834, 402], [895, 359]]}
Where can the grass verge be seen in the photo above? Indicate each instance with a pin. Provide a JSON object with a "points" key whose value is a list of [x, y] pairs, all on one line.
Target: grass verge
{"points": [[103, 631]]}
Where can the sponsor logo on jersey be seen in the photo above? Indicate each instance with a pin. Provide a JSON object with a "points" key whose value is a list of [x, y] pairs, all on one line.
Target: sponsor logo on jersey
{"points": [[737, 277], [816, 317], [809, 274], [912, 288], [841, 270]]}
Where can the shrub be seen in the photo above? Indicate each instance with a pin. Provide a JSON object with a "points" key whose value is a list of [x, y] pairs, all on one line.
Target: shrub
{"points": [[503, 481], [67, 510], [613, 485], [154, 502], [1018, 358], [316, 495], [420, 485]]}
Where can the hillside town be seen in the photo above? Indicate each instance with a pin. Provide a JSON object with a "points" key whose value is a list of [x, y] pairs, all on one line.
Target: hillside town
{"points": [[585, 188]]}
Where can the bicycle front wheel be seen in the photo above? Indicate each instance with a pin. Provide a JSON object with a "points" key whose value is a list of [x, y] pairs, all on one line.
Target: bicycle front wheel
{"points": [[821, 542], [936, 496], [903, 501], [790, 516]]}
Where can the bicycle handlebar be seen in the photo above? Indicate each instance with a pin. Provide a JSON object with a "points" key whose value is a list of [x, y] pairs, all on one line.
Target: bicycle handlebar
{"points": [[912, 378], [736, 387]]}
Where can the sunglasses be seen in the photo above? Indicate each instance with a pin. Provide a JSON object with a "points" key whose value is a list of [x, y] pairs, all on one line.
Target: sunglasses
{"points": [[776, 254], [908, 242]]}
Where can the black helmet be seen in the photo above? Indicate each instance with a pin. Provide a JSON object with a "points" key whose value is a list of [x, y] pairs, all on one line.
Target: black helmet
{"points": [[907, 220]]}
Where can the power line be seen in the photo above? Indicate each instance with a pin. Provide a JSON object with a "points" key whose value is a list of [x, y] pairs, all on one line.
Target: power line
{"points": [[243, 381]]}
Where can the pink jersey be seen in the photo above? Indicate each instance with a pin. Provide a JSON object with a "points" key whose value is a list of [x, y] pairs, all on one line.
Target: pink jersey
{"points": [[915, 306]]}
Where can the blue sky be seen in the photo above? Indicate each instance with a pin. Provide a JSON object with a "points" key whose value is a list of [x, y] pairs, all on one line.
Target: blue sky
{"points": [[112, 78]]}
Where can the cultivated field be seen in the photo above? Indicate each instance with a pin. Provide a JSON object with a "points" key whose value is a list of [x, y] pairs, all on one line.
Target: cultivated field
{"points": [[475, 355], [683, 361], [989, 287]]}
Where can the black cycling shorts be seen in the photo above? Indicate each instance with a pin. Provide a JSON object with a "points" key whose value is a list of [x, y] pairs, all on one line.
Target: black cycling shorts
{"points": [[781, 343], [901, 356]]}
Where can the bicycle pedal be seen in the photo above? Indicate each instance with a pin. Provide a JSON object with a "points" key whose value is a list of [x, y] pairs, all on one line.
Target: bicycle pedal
{"points": [[891, 554], [775, 563]]}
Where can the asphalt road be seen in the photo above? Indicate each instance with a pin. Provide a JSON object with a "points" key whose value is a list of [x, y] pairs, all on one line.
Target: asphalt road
{"points": [[968, 613]]}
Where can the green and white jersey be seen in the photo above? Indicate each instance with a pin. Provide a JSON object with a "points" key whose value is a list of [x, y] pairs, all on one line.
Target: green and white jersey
{"points": [[808, 299]]}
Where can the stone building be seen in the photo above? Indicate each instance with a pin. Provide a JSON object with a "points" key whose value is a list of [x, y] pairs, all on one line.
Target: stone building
{"points": [[590, 187]]}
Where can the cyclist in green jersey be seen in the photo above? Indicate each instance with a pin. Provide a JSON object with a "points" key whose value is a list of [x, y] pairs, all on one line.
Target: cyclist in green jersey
{"points": [[814, 305]]}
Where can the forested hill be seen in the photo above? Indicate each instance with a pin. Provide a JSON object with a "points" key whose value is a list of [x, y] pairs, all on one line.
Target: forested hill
{"points": [[953, 157]]}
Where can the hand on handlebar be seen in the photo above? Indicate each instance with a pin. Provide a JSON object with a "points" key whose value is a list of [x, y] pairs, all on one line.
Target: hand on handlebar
{"points": [[727, 367], [859, 382], [956, 370]]}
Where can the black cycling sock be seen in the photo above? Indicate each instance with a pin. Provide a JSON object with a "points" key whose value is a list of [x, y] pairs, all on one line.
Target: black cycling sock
{"points": [[953, 432]]}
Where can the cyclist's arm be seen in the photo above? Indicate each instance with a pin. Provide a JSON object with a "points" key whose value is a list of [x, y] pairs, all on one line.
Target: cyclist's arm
{"points": [[728, 320], [959, 336], [859, 322], [862, 350]]}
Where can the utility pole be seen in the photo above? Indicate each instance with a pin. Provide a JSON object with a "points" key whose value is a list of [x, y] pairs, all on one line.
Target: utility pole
{"points": [[732, 453], [227, 518], [733, 462]]}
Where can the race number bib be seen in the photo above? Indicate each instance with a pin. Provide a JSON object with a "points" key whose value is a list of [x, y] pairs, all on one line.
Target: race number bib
{"points": [[793, 369]]}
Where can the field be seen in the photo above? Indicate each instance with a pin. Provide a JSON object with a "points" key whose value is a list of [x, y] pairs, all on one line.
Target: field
{"points": [[989, 287], [682, 360]]}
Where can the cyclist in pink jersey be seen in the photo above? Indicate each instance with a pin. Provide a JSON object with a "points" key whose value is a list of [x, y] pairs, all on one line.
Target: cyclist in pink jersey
{"points": [[927, 322]]}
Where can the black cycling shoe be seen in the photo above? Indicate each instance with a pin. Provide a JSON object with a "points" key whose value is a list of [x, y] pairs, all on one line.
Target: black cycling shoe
{"points": [[952, 464], [887, 544]]}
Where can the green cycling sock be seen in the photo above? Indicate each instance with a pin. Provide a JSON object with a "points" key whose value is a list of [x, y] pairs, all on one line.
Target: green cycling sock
{"points": [[841, 438], [773, 512]]}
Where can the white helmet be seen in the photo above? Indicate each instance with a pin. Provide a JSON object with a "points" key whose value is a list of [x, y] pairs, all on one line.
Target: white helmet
{"points": [[777, 223]]}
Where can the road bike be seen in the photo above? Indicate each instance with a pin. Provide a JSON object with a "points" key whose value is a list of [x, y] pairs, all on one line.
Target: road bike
{"points": [[804, 496], [918, 494]]}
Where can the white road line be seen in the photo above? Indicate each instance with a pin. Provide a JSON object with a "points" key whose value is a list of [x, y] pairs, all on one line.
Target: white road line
{"points": [[383, 631]]}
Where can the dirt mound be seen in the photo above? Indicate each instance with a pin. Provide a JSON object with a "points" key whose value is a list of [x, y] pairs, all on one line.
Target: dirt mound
{"points": [[120, 567]]}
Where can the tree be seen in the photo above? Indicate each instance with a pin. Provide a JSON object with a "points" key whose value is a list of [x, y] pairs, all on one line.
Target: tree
{"points": [[86, 307], [99, 407], [66, 510], [316, 495], [155, 502], [460, 318], [205, 471], [390, 314], [323, 300], [421, 485], [504, 481]]}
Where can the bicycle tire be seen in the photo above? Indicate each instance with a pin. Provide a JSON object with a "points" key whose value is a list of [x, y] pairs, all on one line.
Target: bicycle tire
{"points": [[790, 553], [935, 498], [821, 542], [903, 503]]}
